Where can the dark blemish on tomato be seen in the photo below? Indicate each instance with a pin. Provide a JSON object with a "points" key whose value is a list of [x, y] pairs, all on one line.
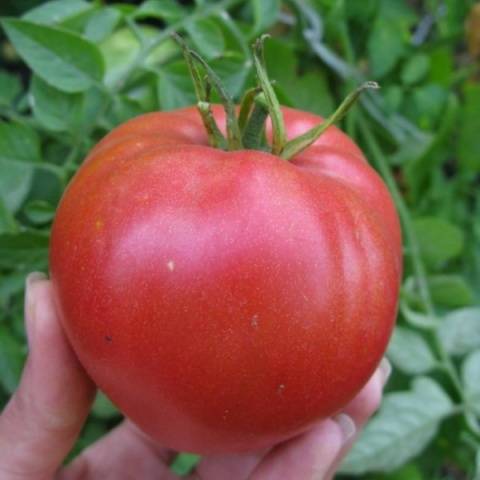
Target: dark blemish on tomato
{"points": [[108, 338]]}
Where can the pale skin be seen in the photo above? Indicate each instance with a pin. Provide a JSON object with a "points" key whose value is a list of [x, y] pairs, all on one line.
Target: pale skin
{"points": [[43, 419]]}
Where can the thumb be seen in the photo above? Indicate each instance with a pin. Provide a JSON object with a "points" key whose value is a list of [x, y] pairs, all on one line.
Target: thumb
{"points": [[43, 418]]}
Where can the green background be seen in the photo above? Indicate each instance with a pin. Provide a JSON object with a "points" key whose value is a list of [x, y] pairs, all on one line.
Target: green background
{"points": [[70, 70]]}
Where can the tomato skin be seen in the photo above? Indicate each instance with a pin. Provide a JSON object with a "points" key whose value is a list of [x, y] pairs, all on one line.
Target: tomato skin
{"points": [[225, 301]]}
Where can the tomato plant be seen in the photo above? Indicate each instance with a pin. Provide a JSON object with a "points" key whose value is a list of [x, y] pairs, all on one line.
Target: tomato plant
{"points": [[227, 298]]}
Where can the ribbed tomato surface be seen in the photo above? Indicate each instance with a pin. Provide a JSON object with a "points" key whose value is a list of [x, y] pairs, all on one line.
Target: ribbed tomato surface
{"points": [[225, 300]]}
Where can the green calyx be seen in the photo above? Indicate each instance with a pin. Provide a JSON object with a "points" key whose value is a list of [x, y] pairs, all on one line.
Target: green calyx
{"points": [[247, 130]]}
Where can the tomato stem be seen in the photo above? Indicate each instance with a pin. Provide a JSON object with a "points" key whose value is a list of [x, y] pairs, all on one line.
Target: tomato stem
{"points": [[279, 137], [248, 130], [297, 145], [246, 105], [203, 89], [254, 131]]}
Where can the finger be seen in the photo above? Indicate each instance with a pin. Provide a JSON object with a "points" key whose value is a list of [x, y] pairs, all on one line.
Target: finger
{"points": [[362, 407], [124, 453], [308, 456], [233, 466], [43, 418]]}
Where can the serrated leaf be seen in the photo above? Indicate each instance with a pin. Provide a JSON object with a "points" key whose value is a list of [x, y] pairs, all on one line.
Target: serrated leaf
{"points": [[409, 352], [56, 110], [207, 37], [19, 151], [57, 11], [168, 10], [439, 239], [61, 58], [471, 380], [460, 331], [102, 24], [405, 424], [10, 88], [450, 291]]}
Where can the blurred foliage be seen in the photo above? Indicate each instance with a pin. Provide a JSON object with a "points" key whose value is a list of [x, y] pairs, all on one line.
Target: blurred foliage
{"points": [[72, 69]]}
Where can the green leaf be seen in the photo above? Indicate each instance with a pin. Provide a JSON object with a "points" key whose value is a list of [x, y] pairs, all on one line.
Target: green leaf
{"points": [[386, 46], [10, 88], [123, 109], [7, 222], [102, 24], [428, 104], [468, 144], [265, 14], [477, 465], [57, 11], [405, 424], [103, 408], [415, 69], [471, 380], [25, 250], [439, 240], [460, 331], [168, 10], [311, 93], [442, 66], [207, 37], [12, 357], [450, 291], [39, 212], [63, 59], [409, 352], [184, 463], [233, 71], [121, 48], [56, 110], [19, 151], [416, 319], [174, 87], [10, 285]]}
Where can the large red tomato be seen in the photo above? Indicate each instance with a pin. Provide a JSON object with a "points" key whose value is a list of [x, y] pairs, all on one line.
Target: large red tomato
{"points": [[225, 300]]}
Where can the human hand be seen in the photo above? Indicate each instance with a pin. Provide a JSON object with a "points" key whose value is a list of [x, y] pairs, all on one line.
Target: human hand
{"points": [[44, 417]]}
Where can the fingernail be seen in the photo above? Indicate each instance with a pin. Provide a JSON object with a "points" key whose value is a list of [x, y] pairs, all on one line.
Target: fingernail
{"points": [[31, 279], [347, 425], [34, 277], [385, 369]]}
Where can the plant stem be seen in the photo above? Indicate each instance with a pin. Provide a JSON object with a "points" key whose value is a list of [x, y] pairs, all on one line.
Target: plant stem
{"points": [[279, 136], [255, 127], [297, 145]]}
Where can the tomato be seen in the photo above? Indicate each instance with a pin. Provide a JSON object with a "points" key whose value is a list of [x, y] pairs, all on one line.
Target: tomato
{"points": [[225, 301]]}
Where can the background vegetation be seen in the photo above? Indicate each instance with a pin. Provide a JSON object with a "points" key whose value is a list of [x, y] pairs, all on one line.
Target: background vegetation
{"points": [[72, 69]]}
